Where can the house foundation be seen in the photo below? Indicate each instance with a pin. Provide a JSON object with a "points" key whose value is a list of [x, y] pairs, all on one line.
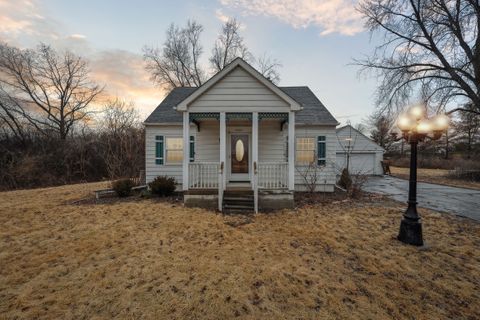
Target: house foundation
{"points": [[267, 200]]}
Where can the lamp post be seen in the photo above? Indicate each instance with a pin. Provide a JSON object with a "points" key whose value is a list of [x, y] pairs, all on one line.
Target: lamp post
{"points": [[416, 127]]}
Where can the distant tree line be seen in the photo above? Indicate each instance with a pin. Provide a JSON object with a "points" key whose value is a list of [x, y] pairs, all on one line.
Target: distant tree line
{"points": [[49, 132], [462, 138]]}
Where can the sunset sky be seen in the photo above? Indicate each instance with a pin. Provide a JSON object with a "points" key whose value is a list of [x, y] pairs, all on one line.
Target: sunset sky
{"points": [[314, 40]]}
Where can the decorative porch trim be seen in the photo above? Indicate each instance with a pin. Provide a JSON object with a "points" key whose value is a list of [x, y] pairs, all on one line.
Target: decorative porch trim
{"points": [[194, 116], [239, 115], [273, 115]]}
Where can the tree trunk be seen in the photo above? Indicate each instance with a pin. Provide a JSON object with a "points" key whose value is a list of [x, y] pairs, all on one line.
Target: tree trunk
{"points": [[446, 145]]}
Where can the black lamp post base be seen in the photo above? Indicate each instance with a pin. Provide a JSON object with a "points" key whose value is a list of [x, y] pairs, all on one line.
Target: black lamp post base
{"points": [[411, 232]]}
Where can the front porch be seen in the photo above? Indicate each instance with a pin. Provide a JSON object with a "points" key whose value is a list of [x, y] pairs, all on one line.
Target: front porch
{"points": [[233, 152]]}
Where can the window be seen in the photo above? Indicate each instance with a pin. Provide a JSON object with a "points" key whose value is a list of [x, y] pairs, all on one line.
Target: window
{"points": [[321, 147], [305, 151], [158, 149], [174, 150], [192, 148]]}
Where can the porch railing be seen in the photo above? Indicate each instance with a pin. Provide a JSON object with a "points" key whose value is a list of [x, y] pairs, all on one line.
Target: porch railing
{"points": [[203, 175], [273, 175]]}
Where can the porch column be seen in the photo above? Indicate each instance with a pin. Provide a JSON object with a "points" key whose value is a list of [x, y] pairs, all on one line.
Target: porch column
{"points": [[255, 158], [186, 149], [291, 151], [223, 146]]}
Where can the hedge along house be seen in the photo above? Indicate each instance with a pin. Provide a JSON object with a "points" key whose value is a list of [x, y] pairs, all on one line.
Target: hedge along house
{"points": [[240, 142]]}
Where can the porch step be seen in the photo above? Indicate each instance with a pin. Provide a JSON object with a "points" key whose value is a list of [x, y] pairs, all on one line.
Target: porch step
{"points": [[238, 202]]}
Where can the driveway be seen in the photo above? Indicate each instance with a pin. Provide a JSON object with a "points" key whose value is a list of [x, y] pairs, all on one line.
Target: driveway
{"points": [[459, 201]]}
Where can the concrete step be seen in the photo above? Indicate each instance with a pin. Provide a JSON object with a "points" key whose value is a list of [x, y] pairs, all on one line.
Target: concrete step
{"points": [[243, 199], [238, 211], [238, 206], [232, 194]]}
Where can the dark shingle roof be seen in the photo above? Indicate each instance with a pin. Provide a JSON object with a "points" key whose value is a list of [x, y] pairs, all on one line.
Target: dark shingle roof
{"points": [[313, 112]]}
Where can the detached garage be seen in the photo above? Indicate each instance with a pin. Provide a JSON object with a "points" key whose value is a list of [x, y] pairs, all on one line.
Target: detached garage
{"points": [[361, 153]]}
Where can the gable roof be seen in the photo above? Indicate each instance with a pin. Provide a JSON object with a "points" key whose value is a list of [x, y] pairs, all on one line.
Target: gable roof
{"points": [[360, 134], [237, 62], [313, 112]]}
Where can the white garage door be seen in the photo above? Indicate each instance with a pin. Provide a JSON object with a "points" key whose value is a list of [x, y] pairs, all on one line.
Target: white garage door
{"points": [[363, 163]]}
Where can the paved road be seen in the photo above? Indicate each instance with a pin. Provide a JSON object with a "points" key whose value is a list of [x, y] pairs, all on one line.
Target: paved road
{"points": [[459, 201]]}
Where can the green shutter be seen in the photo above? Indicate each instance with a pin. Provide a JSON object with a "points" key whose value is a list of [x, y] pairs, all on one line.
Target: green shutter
{"points": [[159, 150], [321, 150], [192, 148]]}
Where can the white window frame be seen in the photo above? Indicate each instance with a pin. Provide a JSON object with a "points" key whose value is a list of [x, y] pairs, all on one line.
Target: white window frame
{"points": [[314, 150], [165, 151], [324, 159]]}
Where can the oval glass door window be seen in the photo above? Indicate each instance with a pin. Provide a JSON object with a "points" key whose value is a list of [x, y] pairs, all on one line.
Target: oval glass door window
{"points": [[239, 150]]}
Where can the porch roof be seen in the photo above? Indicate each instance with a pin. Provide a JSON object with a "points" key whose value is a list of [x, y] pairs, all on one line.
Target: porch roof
{"points": [[313, 112]]}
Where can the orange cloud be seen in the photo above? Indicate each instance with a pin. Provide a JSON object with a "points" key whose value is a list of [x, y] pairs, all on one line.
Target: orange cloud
{"points": [[22, 17], [331, 16], [124, 76], [122, 72]]}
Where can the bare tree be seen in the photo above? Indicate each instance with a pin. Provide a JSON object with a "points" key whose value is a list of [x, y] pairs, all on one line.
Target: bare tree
{"points": [[429, 47], [119, 116], [10, 122], [381, 127], [51, 91], [122, 139], [268, 67], [467, 128], [229, 46], [311, 175], [176, 64]]}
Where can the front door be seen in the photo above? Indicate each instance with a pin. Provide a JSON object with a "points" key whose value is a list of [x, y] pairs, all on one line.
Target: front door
{"points": [[239, 157]]}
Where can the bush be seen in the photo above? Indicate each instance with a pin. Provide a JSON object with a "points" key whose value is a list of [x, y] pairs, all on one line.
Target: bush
{"points": [[345, 179], [356, 185], [162, 186], [123, 187]]}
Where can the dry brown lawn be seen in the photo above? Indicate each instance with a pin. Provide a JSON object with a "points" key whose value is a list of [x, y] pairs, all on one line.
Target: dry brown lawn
{"points": [[438, 176], [152, 259]]}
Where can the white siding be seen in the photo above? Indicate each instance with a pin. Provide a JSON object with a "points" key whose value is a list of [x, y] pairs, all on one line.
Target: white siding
{"points": [[272, 142], [327, 177], [272, 147], [207, 144], [366, 155], [153, 170], [240, 91]]}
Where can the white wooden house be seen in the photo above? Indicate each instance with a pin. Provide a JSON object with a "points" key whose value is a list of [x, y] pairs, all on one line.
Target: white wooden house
{"points": [[360, 153], [239, 137]]}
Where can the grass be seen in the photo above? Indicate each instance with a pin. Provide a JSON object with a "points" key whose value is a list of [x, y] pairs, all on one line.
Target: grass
{"points": [[438, 176], [155, 259]]}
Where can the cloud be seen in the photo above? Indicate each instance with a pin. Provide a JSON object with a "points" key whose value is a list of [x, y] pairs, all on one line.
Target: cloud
{"points": [[122, 72], [221, 16], [224, 18], [21, 19], [331, 16], [124, 75], [77, 36]]}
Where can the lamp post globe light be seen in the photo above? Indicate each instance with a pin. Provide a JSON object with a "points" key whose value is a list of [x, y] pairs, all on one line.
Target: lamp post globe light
{"points": [[416, 127]]}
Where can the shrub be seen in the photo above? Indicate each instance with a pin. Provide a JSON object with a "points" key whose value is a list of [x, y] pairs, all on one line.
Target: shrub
{"points": [[345, 179], [123, 187], [356, 185], [162, 186]]}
